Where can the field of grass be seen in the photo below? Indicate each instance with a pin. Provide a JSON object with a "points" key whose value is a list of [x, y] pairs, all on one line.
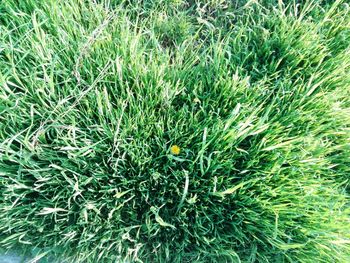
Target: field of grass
{"points": [[175, 130]]}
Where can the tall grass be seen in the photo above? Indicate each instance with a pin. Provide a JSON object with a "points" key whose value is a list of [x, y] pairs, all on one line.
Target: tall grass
{"points": [[94, 95]]}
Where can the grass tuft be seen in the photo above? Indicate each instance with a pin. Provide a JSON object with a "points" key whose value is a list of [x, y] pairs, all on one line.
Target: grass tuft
{"points": [[175, 131]]}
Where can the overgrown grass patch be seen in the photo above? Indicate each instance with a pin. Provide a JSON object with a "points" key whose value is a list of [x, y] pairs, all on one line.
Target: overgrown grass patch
{"points": [[175, 131]]}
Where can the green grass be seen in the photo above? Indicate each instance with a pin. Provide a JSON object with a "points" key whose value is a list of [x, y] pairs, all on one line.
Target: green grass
{"points": [[256, 94]]}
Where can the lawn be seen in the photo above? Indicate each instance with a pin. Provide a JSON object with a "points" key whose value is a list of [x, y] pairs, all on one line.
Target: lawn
{"points": [[175, 130]]}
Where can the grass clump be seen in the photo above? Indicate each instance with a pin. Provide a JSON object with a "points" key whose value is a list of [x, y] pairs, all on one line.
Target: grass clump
{"points": [[175, 131]]}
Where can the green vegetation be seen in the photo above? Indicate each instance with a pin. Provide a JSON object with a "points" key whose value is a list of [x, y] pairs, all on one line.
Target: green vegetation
{"points": [[96, 95]]}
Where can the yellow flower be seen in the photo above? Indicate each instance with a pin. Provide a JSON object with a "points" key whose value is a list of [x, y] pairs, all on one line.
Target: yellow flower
{"points": [[175, 150]]}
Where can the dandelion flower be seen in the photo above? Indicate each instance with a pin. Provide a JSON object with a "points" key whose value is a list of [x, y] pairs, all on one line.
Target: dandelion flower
{"points": [[175, 150]]}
